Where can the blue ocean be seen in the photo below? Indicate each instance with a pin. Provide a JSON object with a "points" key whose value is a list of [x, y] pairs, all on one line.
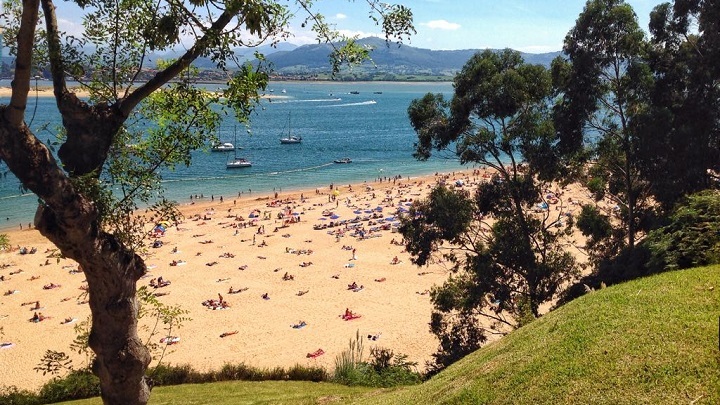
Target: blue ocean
{"points": [[366, 122]]}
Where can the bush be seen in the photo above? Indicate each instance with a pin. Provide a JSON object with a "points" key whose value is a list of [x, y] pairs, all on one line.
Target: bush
{"points": [[76, 385], [692, 236], [303, 373], [233, 372], [384, 369], [14, 396], [184, 374]]}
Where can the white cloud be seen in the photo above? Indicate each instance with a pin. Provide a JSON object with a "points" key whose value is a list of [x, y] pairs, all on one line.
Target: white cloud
{"points": [[442, 25], [340, 16], [70, 27]]}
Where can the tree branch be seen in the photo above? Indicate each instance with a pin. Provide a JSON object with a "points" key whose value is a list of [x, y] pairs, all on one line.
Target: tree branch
{"points": [[57, 66], [23, 63], [164, 76]]}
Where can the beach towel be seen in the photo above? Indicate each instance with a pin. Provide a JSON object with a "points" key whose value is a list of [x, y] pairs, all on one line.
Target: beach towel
{"points": [[317, 353], [170, 340]]}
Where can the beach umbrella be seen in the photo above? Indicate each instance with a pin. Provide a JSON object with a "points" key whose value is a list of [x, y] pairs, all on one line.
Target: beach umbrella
{"points": [[368, 211], [390, 218], [378, 208], [334, 216], [322, 219], [357, 212]]}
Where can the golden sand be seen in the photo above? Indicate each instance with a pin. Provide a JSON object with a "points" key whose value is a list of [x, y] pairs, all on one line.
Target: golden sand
{"points": [[217, 254]]}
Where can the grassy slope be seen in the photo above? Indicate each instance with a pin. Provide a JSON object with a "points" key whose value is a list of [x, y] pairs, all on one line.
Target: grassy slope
{"points": [[652, 341]]}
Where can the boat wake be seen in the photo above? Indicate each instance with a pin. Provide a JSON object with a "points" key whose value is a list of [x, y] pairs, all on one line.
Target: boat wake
{"points": [[314, 100], [302, 169], [369, 102]]}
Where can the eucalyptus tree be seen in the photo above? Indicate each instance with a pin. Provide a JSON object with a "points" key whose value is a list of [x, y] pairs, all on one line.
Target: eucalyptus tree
{"points": [[602, 85], [505, 258], [105, 166], [680, 142]]}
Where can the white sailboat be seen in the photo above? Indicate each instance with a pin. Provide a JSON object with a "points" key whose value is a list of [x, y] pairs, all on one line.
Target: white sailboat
{"points": [[290, 138], [237, 162]]}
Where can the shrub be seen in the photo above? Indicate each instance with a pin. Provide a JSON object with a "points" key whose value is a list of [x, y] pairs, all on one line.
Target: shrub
{"points": [[76, 385], [384, 368], [692, 236], [235, 372], [303, 373], [14, 396], [348, 361]]}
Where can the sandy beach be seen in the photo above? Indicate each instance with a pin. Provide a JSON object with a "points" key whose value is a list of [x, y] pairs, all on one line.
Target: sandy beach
{"points": [[304, 272]]}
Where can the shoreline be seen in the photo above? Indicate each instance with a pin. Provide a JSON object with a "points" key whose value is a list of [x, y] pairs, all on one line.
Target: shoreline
{"points": [[258, 195]]}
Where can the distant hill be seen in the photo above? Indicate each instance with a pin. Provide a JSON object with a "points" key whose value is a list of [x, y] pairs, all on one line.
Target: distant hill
{"points": [[289, 59], [243, 54], [389, 58]]}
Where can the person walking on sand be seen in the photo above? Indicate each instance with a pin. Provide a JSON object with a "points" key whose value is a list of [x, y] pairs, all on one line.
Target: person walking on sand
{"points": [[353, 255]]}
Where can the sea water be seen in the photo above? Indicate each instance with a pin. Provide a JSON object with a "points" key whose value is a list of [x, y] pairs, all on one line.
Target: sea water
{"points": [[364, 121]]}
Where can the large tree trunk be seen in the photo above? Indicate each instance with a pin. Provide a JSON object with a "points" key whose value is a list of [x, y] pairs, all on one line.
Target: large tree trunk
{"points": [[112, 272], [70, 221]]}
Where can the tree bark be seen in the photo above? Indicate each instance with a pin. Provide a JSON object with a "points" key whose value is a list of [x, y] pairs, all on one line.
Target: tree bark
{"points": [[111, 271], [70, 221]]}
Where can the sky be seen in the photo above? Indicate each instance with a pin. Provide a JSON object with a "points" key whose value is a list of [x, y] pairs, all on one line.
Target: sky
{"points": [[533, 26]]}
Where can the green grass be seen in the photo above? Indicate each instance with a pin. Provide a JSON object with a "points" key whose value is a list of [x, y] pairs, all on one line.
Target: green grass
{"points": [[247, 392], [650, 341]]}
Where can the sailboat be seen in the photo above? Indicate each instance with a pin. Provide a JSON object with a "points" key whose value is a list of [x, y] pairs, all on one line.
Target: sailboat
{"points": [[290, 138], [237, 162]]}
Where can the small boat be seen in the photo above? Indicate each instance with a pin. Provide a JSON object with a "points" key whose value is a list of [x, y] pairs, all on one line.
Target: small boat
{"points": [[237, 162], [377, 92], [290, 138], [343, 160], [354, 92], [223, 147]]}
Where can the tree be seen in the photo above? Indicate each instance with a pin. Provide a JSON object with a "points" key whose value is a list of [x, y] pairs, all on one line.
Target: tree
{"points": [[680, 129], [505, 258], [104, 166], [602, 85], [692, 236]]}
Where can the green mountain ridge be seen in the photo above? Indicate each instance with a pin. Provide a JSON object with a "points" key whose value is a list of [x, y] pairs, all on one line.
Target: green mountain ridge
{"points": [[391, 58], [386, 58]]}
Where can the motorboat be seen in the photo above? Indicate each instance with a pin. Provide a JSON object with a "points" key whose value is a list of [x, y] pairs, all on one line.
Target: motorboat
{"points": [[223, 147], [343, 160]]}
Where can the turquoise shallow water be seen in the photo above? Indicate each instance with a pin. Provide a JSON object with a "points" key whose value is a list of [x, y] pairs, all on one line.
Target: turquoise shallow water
{"points": [[370, 127]]}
